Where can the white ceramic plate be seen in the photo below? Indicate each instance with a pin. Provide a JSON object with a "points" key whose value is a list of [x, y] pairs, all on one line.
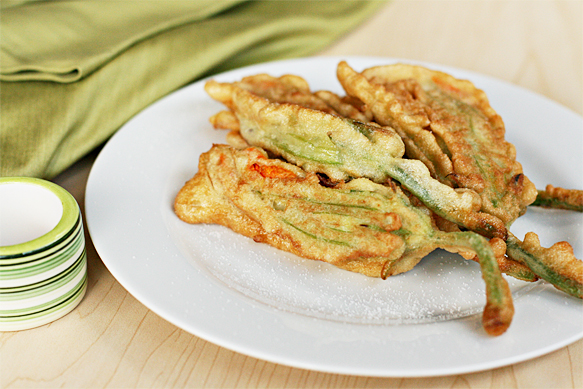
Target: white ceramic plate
{"points": [[256, 300]]}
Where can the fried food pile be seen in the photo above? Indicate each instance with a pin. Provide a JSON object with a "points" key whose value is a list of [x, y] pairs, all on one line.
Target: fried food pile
{"points": [[408, 161]]}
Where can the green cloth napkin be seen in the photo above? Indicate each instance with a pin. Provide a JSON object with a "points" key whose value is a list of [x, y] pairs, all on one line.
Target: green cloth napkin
{"points": [[73, 72]]}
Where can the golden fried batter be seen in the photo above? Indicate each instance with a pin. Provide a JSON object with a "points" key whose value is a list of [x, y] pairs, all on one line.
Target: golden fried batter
{"points": [[556, 264], [560, 198], [344, 148], [409, 161], [292, 89], [277, 203], [359, 226], [449, 125]]}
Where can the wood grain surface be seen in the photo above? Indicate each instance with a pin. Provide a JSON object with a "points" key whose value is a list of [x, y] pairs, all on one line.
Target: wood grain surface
{"points": [[111, 340]]}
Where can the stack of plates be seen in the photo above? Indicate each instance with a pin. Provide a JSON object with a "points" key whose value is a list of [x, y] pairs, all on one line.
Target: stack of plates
{"points": [[43, 266]]}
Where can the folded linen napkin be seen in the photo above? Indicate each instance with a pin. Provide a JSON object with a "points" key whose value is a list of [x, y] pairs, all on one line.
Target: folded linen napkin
{"points": [[73, 72]]}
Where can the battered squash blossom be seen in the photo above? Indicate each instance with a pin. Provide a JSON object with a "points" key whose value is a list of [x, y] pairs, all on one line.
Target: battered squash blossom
{"points": [[410, 160]]}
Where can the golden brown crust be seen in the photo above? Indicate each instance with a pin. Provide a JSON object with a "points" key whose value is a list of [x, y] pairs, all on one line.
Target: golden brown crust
{"points": [[342, 148], [450, 126], [556, 264], [559, 257], [225, 120], [560, 198], [277, 203], [496, 320], [449, 132], [288, 89], [359, 226]]}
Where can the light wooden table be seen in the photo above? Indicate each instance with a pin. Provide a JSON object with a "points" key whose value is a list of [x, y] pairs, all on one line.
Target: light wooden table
{"points": [[112, 340]]}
